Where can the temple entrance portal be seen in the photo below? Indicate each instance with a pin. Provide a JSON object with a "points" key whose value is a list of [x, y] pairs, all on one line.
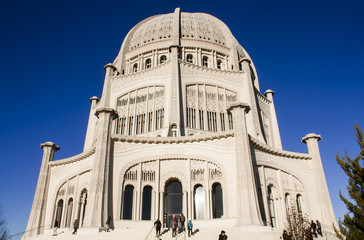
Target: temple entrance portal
{"points": [[173, 196]]}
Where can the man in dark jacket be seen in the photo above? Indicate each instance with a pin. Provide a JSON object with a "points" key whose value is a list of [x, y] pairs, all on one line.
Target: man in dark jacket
{"points": [[313, 228], [223, 236], [158, 226], [75, 226]]}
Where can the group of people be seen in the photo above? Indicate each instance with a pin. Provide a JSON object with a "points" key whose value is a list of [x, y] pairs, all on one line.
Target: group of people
{"points": [[76, 225], [315, 229], [56, 226], [175, 224]]}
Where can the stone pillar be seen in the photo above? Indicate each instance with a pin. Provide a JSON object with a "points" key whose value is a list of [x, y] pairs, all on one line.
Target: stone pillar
{"points": [[92, 119], [190, 191], [322, 209], [98, 205], [157, 182], [161, 210], [247, 209], [273, 121], [37, 214], [254, 128]]}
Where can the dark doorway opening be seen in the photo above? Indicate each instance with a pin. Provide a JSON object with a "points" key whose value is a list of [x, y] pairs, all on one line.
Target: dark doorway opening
{"points": [[172, 201], [147, 203]]}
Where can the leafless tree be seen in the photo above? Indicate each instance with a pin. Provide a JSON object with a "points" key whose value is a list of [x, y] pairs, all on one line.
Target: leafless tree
{"points": [[298, 225], [4, 234]]}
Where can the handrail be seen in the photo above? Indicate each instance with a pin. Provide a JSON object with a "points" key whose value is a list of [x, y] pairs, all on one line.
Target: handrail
{"points": [[150, 234]]}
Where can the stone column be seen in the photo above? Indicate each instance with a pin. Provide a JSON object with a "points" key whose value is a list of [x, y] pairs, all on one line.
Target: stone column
{"points": [[92, 119], [98, 206], [247, 209], [322, 210], [157, 174], [273, 120], [254, 128], [37, 214]]}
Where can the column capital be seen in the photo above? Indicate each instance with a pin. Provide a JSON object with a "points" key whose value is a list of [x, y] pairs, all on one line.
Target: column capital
{"points": [[269, 92], [311, 136], [245, 106], [94, 98], [51, 145], [106, 110], [109, 65]]}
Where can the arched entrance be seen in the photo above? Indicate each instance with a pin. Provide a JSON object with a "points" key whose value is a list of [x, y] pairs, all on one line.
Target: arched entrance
{"points": [[173, 196]]}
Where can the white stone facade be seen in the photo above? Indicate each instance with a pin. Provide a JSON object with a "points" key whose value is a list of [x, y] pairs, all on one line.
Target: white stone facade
{"points": [[181, 104]]}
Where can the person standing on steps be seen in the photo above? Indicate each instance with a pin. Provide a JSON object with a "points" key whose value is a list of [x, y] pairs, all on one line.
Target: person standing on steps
{"points": [[75, 226], [319, 230], [55, 228], [182, 220], [313, 228], [108, 224], [174, 226], [157, 225], [189, 227], [223, 236]]}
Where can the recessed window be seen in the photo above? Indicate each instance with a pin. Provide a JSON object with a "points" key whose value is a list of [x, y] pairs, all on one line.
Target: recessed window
{"points": [[163, 59], [148, 63], [135, 67], [219, 63], [205, 61], [190, 58]]}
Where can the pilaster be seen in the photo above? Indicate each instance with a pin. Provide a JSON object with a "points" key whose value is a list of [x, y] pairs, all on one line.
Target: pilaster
{"points": [[253, 117], [37, 214], [100, 192], [273, 119], [175, 103], [322, 209], [247, 208], [92, 119]]}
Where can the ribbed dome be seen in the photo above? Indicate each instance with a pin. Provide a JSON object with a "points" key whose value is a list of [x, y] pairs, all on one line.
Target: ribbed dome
{"points": [[198, 26]]}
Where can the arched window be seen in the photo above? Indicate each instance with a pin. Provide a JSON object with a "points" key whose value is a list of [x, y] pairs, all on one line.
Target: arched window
{"points": [[299, 203], [190, 58], [147, 203], [148, 63], [69, 212], [82, 206], [163, 59], [199, 202], [287, 201], [128, 202], [59, 209], [205, 61], [135, 67], [219, 63], [271, 206], [217, 201]]}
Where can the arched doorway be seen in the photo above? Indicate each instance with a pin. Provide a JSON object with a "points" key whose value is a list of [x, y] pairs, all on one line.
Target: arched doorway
{"points": [[173, 196], [128, 202], [147, 203], [199, 202], [217, 201], [59, 209]]}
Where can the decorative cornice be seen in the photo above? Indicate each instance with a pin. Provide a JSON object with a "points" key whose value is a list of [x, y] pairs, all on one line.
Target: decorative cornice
{"points": [[265, 148], [261, 96], [73, 159], [170, 140]]}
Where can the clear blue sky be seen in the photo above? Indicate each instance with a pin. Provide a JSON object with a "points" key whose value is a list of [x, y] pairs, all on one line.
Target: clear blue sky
{"points": [[52, 53]]}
